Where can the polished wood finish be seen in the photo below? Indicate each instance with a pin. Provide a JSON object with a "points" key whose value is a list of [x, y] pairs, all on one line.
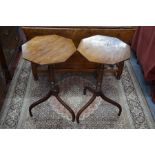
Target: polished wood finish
{"points": [[97, 92], [54, 91], [104, 49], [48, 49]]}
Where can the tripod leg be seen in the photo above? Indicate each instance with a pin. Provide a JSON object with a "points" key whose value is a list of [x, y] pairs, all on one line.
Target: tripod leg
{"points": [[67, 107], [34, 70], [112, 102], [39, 102], [88, 88], [120, 66], [84, 107]]}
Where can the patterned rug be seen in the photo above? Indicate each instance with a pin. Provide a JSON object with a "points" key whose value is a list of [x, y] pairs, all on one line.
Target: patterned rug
{"points": [[52, 115]]}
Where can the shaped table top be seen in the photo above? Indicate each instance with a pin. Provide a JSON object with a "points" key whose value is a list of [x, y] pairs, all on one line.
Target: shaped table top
{"points": [[104, 49], [48, 49]]}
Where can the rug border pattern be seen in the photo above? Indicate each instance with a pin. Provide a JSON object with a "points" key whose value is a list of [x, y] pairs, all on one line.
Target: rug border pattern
{"points": [[13, 114]]}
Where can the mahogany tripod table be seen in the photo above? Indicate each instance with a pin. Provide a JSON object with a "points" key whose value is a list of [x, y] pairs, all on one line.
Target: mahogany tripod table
{"points": [[49, 50], [103, 50]]}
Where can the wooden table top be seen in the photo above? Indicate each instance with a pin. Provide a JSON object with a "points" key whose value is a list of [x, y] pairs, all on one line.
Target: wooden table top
{"points": [[104, 49], [48, 49]]}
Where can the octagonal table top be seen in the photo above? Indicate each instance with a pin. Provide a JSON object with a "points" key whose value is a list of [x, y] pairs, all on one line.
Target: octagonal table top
{"points": [[104, 49], [48, 49]]}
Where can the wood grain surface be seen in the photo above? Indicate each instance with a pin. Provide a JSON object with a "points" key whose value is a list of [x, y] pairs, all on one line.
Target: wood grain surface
{"points": [[104, 49], [48, 49]]}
